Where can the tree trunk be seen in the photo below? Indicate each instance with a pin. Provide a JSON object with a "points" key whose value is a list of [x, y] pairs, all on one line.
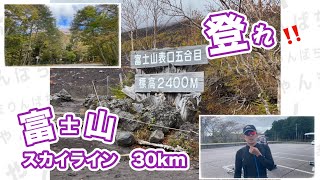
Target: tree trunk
{"points": [[252, 75], [101, 53], [279, 96], [155, 26], [26, 59], [131, 37]]}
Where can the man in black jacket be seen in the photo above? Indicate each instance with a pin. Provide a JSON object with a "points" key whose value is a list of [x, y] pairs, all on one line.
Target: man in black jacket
{"points": [[254, 158]]}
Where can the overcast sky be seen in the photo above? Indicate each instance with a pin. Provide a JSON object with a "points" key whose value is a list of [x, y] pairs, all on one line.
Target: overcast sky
{"points": [[198, 4], [64, 12], [262, 123]]}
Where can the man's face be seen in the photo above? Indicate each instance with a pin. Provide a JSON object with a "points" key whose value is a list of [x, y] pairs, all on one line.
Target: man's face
{"points": [[251, 137]]}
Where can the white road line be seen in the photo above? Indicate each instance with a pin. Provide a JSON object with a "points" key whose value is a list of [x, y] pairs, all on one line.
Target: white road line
{"points": [[291, 159], [292, 154], [229, 170], [307, 172], [227, 167], [309, 148]]}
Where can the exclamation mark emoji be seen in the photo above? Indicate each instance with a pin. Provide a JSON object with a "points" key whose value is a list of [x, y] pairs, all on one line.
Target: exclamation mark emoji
{"points": [[286, 32], [295, 30]]}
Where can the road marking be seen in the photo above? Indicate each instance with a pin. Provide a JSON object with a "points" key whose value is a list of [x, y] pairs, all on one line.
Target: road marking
{"points": [[227, 167], [229, 170], [307, 172], [309, 148], [292, 154], [291, 159]]}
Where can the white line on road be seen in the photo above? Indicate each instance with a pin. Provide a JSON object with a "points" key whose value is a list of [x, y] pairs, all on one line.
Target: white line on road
{"points": [[309, 148], [228, 169], [295, 169], [291, 159], [292, 154]]}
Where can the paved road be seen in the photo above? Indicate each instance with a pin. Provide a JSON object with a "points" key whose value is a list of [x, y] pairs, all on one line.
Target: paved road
{"points": [[292, 161]]}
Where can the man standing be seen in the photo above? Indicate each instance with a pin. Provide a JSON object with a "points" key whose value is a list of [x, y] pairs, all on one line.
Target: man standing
{"points": [[254, 158]]}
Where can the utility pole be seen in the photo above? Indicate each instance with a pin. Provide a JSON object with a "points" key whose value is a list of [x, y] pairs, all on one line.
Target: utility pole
{"points": [[107, 86], [296, 131]]}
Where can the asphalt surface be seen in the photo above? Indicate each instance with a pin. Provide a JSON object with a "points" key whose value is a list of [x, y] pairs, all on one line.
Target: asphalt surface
{"points": [[292, 161]]}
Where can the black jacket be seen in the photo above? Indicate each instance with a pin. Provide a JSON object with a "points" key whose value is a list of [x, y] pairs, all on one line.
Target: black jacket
{"points": [[253, 166]]}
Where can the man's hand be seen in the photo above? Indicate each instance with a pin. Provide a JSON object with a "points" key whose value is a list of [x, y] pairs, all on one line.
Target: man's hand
{"points": [[255, 151]]}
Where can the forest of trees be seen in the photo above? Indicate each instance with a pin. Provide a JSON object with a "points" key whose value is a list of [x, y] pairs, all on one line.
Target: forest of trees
{"points": [[242, 84], [33, 38], [291, 129]]}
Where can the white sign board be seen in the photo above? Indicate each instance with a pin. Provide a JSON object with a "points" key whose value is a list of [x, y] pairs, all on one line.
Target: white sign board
{"points": [[182, 56], [170, 82]]}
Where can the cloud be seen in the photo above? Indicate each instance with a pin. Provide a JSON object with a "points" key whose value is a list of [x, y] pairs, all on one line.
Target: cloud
{"points": [[262, 123], [64, 13], [86, 1]]}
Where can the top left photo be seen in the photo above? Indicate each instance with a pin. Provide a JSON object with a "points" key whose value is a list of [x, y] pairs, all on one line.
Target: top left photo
{"points": [[62, 35]]}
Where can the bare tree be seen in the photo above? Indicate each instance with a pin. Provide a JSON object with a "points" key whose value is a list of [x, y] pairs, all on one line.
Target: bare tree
{"points": [[175, 8], [187, 16], [259, 61], [132, 16], [154, 9], [249, 66], [216, 130]]}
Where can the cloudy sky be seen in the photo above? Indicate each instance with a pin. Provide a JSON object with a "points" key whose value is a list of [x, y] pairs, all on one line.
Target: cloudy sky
{"points": [[198, 4], [64, 13], [262, 123]]}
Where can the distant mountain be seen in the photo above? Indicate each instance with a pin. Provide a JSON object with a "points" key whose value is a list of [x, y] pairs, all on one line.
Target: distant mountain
{"points": [[65, 31]]}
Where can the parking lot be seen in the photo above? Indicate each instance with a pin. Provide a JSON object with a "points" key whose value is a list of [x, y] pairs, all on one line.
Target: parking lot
{"points": [[292, 161]]}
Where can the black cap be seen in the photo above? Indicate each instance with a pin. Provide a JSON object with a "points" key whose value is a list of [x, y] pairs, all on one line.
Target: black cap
{"points": [[249, 128]]}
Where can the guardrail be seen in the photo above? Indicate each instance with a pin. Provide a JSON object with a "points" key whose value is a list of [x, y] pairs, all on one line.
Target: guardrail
{"points": [[218, 145]]}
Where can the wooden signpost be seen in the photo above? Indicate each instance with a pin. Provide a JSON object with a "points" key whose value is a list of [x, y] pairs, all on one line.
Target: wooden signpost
{"points": [[164, 73], [185, 82]]}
